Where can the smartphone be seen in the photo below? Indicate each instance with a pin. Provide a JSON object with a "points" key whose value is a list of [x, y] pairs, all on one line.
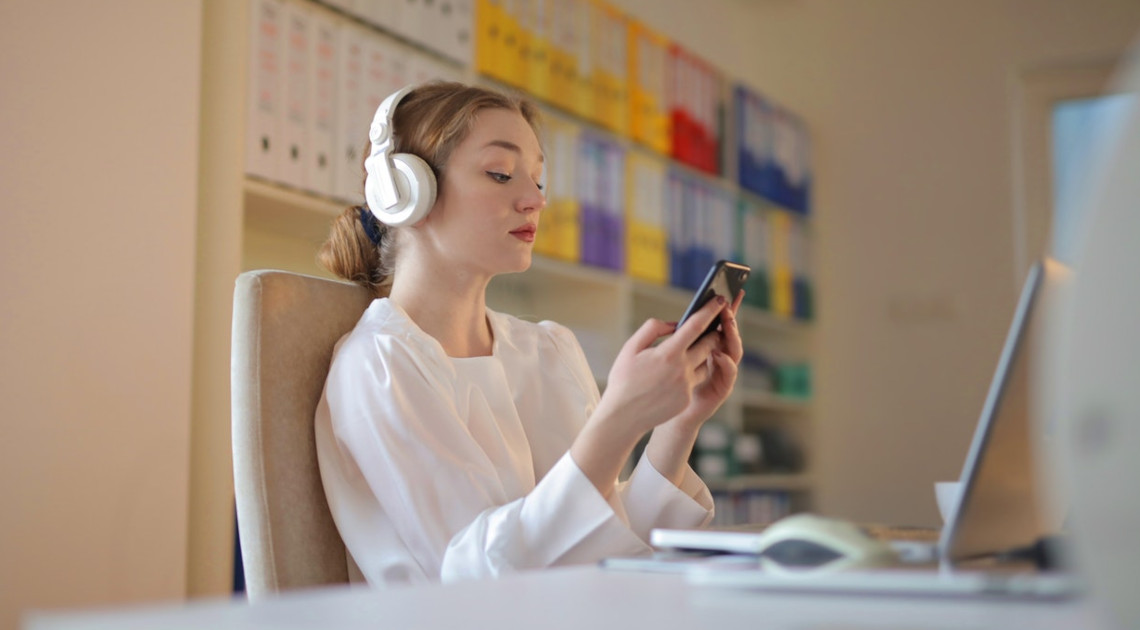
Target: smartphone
{"points": [[726, 279]]}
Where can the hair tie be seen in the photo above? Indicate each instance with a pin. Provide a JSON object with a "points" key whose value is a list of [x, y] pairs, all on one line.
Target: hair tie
{"points": [[369, 223]]}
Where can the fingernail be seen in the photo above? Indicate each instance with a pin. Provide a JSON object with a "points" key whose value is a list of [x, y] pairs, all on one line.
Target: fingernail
{"points": [[720, 299]]}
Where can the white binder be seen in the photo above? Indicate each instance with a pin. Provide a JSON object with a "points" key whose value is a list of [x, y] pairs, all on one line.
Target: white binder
{"points": [[351, 124], [424, 69], [381, 69], [456, 34], [386, 14], [322, 104], [614, 176], [399, 67], [677, 236], [347, 6], [265, 89], [701, 218], [379, 64], [410, 20], [295, 120]]}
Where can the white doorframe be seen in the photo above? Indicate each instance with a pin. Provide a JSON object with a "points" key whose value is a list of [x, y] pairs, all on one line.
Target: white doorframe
{"points": [[1035, 92]]}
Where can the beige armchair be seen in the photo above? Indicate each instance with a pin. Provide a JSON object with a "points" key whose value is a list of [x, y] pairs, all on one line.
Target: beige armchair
{"points": [[284, 329]]}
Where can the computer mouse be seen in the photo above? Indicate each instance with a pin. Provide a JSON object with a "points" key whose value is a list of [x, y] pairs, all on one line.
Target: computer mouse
{"points": [[807, 542]]}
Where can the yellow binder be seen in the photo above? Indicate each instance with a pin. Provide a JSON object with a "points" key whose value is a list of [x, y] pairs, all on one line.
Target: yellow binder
{"points": [[611, 103], [647, 248], [582, 19], [648, 53], [489, 50], [512, 67], [563, 62], [538, 67], [782, 295], [559, 233]]}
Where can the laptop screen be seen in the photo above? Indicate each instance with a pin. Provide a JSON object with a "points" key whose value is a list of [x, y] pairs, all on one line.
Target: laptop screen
{"points": [[1000, 505]]}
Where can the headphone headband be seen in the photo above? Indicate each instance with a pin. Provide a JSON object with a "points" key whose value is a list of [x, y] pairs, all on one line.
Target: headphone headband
{"points": [[380, 133]]}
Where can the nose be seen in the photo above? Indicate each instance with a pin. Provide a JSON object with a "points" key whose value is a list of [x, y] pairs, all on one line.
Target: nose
{"points": [[532, 200]]}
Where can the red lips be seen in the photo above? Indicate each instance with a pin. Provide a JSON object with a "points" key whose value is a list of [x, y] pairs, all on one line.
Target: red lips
{"points": [[525, 233]]}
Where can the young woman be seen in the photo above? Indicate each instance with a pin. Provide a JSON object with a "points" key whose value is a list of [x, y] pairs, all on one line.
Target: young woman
{"points": [[455, 441]]}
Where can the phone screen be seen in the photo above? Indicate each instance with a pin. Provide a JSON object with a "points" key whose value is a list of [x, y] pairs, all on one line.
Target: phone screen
{"points": [[725, 279]]}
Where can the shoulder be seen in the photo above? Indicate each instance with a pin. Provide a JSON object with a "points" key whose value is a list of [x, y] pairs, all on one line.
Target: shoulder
{"points": [[381, 325], [546, 340], [384, 337], [543, 335]]}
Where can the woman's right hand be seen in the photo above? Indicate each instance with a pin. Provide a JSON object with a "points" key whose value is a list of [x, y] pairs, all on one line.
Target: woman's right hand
{"points": [[651, 382], [648, 385]]}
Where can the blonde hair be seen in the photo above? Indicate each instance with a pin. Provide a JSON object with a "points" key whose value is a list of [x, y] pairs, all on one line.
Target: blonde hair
{"points": [[430, 121]]}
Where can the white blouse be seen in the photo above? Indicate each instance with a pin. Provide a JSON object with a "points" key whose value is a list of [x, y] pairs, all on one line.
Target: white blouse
{"points": [[439, 468]]}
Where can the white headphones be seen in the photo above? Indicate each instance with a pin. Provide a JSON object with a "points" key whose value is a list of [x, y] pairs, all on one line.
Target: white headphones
{"points": [[400, 188]]}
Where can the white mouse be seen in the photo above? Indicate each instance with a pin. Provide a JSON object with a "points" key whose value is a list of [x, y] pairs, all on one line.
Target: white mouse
{"points": [[811, 543]]}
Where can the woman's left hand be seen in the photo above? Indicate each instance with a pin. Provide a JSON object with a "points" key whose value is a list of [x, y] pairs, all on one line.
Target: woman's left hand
{"points": [[721, 370], [672, 441]]}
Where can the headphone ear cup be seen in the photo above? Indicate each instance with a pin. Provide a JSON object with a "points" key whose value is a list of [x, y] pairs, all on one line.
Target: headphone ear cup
{"points": [[375, 167], [415, 183]]}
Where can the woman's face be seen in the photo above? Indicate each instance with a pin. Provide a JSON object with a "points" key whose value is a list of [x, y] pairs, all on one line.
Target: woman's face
{"points": [[486, 212]]}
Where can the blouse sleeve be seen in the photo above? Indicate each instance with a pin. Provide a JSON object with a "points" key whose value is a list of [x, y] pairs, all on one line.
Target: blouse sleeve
{"points": [[394, 417], [649, 499]]}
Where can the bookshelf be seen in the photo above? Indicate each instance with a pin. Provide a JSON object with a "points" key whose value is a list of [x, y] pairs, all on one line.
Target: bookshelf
{"points": [[602, 306], [283, 226]]}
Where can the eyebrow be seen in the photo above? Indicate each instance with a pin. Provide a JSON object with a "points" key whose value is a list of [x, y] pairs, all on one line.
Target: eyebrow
{"points": [[510, 146]]}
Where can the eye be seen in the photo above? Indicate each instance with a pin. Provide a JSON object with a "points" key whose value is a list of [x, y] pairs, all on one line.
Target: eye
{"points": [[502, 178]]}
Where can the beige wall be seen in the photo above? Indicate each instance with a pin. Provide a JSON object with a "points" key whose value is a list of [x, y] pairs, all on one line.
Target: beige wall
{"points": [[910, 105], [98, 177]]}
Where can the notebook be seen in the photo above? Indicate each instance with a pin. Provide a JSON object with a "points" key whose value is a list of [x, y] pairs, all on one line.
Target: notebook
{"points": [[999, 507]]}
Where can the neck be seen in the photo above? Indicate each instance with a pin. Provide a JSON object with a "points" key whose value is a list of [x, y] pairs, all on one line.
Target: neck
{"points": [[448, 304]]}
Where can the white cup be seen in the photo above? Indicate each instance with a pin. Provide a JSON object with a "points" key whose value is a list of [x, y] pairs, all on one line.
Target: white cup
{"points": [[946, 492]]}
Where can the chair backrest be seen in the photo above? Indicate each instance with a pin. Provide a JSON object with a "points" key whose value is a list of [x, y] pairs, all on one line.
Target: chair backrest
{"points": [[284, 328]]}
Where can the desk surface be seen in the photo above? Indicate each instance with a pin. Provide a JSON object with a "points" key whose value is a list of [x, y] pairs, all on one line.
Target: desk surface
{"points": [[579, 598]]}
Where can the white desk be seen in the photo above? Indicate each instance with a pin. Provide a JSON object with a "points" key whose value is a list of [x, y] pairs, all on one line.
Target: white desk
{"points": [[581, 598]]}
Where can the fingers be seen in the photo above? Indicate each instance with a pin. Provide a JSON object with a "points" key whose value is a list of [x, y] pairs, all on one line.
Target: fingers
{"points": [[737, 302], [721, 367], [725, 364], [701, 373], [699, 352], [729, 333], [733, 346], [649, 332], [725, 372], [691, 330], [718, 373]]}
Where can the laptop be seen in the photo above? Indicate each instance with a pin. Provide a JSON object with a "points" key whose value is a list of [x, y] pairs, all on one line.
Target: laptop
{"points": [[1001, 504], [1002, 501]]}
